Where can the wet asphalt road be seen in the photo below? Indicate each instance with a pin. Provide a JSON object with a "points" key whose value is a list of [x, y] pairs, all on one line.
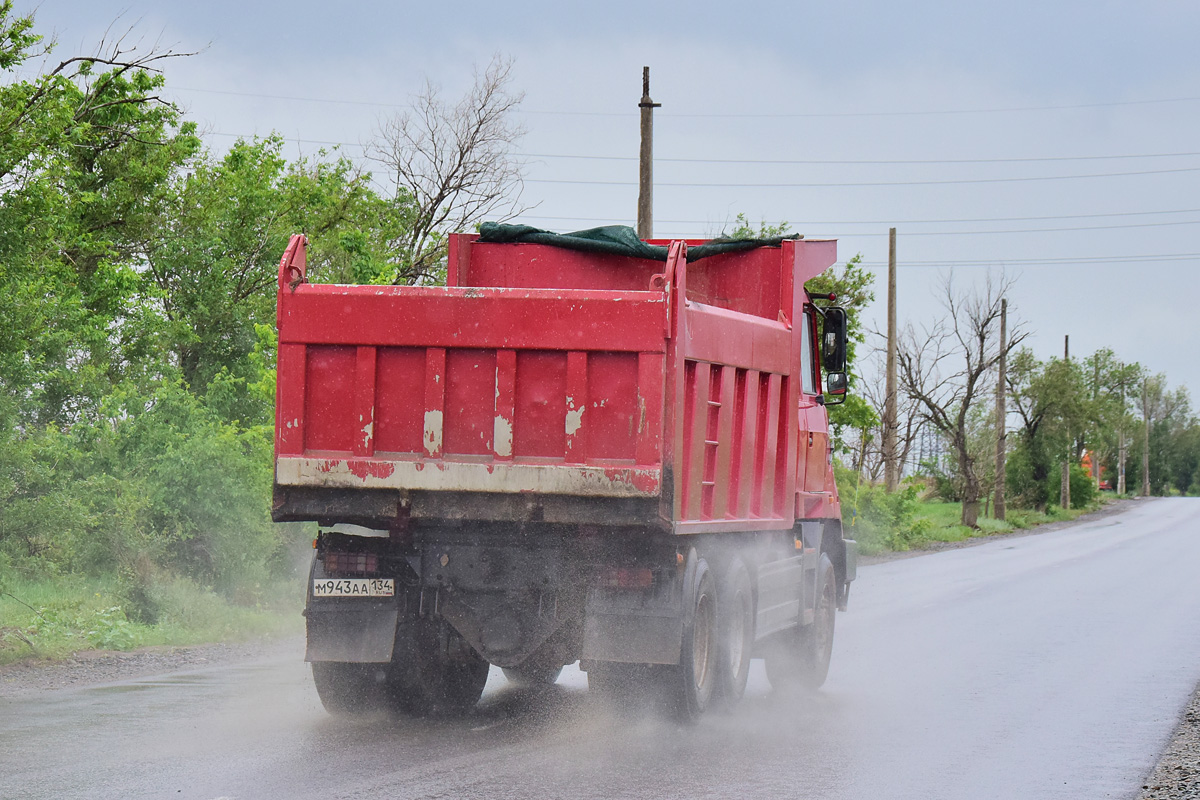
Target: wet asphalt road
{"points": [[1054, 665]]}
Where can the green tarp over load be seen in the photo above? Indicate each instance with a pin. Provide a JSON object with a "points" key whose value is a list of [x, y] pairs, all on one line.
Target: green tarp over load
{"points": [[619, 240]]}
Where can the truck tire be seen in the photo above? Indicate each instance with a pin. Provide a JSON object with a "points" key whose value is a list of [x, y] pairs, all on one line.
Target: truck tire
{"points": [[688, 686], [432, 679], [735, 633], [349, 688], [532, 676], [801, 659]]}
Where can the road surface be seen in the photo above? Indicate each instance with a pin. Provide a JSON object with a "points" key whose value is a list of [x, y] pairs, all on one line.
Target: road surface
{"points": [[1047, 666]]}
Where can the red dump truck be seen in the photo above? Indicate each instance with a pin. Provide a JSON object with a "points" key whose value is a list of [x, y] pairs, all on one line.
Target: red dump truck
{"points": [[613, 455]]}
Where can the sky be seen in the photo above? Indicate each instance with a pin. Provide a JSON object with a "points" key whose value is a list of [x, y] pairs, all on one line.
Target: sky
{"points": [[1052, 143]]}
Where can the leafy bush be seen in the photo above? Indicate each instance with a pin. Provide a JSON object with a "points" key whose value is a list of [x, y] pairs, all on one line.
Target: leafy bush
{"points": [[945, 487], [876, 519]]}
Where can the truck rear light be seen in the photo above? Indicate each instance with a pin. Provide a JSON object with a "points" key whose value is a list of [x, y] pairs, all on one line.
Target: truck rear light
{"points": [[627, 578], [351, 563]]}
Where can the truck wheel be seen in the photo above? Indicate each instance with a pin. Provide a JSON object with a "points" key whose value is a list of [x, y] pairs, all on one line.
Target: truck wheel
{"points": [[349, 688], [689, 685], [801, 661], [735, 633], [430, 679], [531, 676]]}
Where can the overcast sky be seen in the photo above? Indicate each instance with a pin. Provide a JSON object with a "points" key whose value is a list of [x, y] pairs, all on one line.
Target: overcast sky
{"points": [[996, 129]]}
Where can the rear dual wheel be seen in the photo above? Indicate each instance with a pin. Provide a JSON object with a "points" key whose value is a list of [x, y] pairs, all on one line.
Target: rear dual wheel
{"points": [[735, 633], [350, 688], [432, 673], [435, 673], [689, 686]]}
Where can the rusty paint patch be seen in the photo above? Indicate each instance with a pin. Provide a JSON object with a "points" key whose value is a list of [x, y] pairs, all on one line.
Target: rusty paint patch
{"points": [[645, 482], [370, 469]]}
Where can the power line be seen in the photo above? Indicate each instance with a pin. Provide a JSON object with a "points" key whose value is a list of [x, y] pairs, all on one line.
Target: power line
{"points": [[876, 162], [1067, 260], [725, 115], [1034, 230], [945, 112], [839, 184], [800, 162], [909, 234], [915, 221]]}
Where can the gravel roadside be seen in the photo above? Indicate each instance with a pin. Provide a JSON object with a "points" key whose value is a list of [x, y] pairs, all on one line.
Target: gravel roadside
{"points": [[91, 667], [1177, 776]]}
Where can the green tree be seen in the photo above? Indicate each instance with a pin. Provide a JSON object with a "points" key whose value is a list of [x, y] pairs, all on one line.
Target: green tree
{"points": [[85, 149], [212, 262], [852, 286], [1051, 400], [1111, 385]]}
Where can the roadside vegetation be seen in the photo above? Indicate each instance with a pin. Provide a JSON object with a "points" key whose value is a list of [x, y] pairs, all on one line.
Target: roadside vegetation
{"points": [[137, 361]]}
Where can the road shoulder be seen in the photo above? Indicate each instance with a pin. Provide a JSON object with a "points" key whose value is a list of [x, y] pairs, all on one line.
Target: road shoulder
{"points": [[1177, 775], [93, 667]]}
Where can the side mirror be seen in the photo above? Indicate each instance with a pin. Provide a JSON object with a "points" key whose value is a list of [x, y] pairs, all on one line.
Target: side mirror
{"points": [[835, 388], [833, 343]]}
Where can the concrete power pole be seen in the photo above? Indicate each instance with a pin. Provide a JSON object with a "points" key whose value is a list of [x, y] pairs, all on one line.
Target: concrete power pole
{"points": [[1145, 441], [1065, 493], [1001, 414], [1121, 461], [645, 209], [891, 470]]}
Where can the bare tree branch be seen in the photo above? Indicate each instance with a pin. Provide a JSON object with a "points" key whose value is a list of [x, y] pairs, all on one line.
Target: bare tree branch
{"points": [[942, 370], [454, 163]]}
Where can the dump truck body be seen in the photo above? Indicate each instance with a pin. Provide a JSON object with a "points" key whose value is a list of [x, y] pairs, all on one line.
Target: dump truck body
{"points": [[540, 458]]}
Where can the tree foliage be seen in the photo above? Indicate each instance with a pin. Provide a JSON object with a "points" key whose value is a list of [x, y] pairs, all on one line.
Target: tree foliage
{"points": [[137, 290]]}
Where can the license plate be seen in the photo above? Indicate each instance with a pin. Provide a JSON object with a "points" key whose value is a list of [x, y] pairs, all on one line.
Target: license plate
{"points": [[354, 587]]}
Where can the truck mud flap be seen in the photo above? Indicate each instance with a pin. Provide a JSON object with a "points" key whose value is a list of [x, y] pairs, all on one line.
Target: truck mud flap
{"points": [[632, 638], [351, 633], [636, 627]]}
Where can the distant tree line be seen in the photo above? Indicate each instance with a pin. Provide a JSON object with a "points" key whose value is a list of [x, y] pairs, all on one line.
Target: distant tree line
{"points": [[1094, 414]]}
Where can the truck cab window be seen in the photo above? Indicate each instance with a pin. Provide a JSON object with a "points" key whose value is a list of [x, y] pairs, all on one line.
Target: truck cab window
{"points": [[808, 381]]}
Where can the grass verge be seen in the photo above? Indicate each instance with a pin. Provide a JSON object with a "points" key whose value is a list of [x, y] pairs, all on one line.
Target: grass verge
{"points": [[944, 526], [53, 618]]}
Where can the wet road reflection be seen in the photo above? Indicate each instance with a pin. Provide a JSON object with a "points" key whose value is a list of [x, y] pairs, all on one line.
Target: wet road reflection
{"points": [[1045, 666]]}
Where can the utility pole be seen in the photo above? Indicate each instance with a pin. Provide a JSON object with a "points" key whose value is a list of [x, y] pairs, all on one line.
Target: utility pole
{"points": [[1121, 460], [1145, 440], [645, 209], [1122, 445], [891, 470], [1001, 414], [1065, 493]]}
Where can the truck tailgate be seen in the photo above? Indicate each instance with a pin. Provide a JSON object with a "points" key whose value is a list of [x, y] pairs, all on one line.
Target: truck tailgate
{"points": [[552, 391]]}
